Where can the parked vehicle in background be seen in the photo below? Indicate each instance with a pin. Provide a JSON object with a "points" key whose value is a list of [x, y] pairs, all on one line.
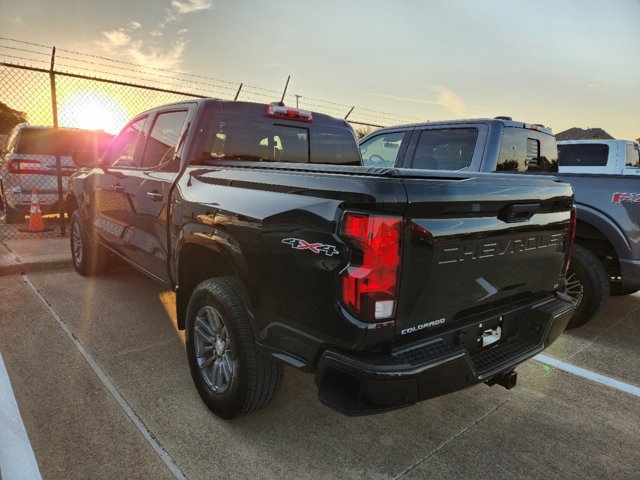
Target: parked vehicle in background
{"points": [[599, 157], [606, 257], [392, 285], [28, 160]]}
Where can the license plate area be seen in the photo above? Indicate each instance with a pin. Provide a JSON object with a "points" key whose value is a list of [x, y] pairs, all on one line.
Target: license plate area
{"points": [[491, 336], [489, 332]]}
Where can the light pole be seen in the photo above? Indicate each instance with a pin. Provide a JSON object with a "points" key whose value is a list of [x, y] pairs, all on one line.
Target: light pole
{"points": [[298, 97]]}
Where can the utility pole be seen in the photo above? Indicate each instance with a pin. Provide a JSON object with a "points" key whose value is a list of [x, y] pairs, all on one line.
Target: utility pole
{"points": [[298, 97]]}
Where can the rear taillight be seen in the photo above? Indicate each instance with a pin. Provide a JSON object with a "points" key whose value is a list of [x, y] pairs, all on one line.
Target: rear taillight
{"points": [[22, 166], [369, 285], [571, 235]]}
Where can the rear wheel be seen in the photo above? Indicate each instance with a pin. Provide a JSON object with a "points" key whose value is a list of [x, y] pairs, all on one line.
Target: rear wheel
{"points": [[89, 257], [587, 283], [232, 376]]}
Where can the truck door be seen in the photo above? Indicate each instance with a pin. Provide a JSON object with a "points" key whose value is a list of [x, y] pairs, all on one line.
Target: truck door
{"points": [[112, 207], [148, 190]]}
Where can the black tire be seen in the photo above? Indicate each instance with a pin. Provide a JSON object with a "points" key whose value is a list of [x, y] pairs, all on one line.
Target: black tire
{"points": [[89, 257], [587, 283], [14, 215], [617, 290], [254, 378]]}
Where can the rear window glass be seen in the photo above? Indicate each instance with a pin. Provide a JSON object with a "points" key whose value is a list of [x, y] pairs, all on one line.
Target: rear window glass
{"points": [[583, 155], [241, 137], [524, 150], [45, 141], [445, 149]]}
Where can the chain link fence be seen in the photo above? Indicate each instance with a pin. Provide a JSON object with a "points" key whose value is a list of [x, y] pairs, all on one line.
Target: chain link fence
{"points": [[50, 119]]}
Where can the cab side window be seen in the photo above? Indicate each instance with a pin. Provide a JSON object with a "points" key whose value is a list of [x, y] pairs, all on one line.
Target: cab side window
{"points": [[163, 138], [125, 150], [584, 155], [382, 150], [633, 156], [445, 149]]}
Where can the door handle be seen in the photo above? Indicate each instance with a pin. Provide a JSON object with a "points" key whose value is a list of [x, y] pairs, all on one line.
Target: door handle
{"points": [[155, 196], [116, 187]]}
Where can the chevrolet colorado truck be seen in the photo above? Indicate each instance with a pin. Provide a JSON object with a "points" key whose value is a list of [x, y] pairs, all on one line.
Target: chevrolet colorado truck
{"points": [[391, 285], [606, 255]]}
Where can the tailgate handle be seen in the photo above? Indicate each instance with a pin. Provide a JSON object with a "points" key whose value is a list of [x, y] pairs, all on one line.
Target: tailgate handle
{"points": [[518, 212]]}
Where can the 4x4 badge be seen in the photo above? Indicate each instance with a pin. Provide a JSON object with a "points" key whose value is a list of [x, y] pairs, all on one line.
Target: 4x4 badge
{"points": [[299, 244]]}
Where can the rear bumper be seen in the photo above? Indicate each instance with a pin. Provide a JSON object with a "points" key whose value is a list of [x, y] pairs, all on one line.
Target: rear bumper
{"points": [[17, 190], [360, 385]]}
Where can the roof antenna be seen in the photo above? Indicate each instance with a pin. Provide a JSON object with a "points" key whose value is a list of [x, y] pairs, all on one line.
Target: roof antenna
{"points": [[285, 92]]}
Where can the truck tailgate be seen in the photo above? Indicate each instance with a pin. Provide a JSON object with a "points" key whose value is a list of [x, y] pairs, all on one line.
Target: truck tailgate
{"points": [[465, 256]]}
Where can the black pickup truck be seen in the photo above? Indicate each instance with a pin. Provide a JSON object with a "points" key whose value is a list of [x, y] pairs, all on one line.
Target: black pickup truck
{"points": [[606, 256], [392, 285]]}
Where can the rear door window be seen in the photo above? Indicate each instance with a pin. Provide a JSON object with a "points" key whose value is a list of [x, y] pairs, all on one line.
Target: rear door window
{"points": [[584, 155], [445, 149], [382, 150]]}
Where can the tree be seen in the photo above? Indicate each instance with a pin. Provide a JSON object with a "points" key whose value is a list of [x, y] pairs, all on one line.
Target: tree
{"points": [[363, 131], [10, 118]]}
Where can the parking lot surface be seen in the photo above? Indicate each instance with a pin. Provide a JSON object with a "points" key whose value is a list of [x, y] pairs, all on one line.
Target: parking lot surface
{"points": [[99, 372]]}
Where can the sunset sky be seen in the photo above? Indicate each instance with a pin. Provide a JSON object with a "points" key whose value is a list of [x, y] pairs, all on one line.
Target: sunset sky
{"points": [[563, 63]]}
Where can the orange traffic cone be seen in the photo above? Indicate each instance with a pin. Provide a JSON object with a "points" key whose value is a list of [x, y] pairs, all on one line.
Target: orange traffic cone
{"points": [[35, 215]]}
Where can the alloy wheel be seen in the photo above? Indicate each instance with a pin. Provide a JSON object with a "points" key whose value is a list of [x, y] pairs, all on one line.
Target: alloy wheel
{"points": [[213, 350]]}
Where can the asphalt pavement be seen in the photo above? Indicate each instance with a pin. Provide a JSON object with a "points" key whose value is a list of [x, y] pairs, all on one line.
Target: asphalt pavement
{"points": [[99, 372]]}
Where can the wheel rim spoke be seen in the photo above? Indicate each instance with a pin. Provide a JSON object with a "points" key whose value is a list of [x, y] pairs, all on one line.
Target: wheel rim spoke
{"points": [[77, 243], [213, 352]]}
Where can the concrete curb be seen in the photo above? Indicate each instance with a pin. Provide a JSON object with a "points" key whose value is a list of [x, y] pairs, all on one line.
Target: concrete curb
{"points": [[34, 266], [29, 255]]}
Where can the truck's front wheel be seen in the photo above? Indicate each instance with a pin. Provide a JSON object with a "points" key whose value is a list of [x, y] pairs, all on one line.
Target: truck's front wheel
{"points": [[588, 284], [232, 376]]}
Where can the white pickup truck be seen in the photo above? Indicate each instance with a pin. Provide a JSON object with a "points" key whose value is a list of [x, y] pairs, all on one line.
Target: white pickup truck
{"points": [[605, 157]]}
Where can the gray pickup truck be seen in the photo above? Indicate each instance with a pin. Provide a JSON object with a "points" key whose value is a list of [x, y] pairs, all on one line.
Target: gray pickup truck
{"points": [[606, 257]]}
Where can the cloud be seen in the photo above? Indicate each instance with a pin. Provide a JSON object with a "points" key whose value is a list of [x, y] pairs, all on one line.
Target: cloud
{"points": [[115, 39], [449, 100], [145, 51], [445, 98], [163, 58], [150, 48], [184, 7], [403, 99]]}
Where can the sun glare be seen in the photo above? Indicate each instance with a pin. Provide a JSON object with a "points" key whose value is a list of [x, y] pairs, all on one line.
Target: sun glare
{"points": [[94, 111]]}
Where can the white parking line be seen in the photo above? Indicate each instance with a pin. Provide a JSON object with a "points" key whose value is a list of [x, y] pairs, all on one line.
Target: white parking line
{"points": [[113, 390], [17, 460], [589, 375]]}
